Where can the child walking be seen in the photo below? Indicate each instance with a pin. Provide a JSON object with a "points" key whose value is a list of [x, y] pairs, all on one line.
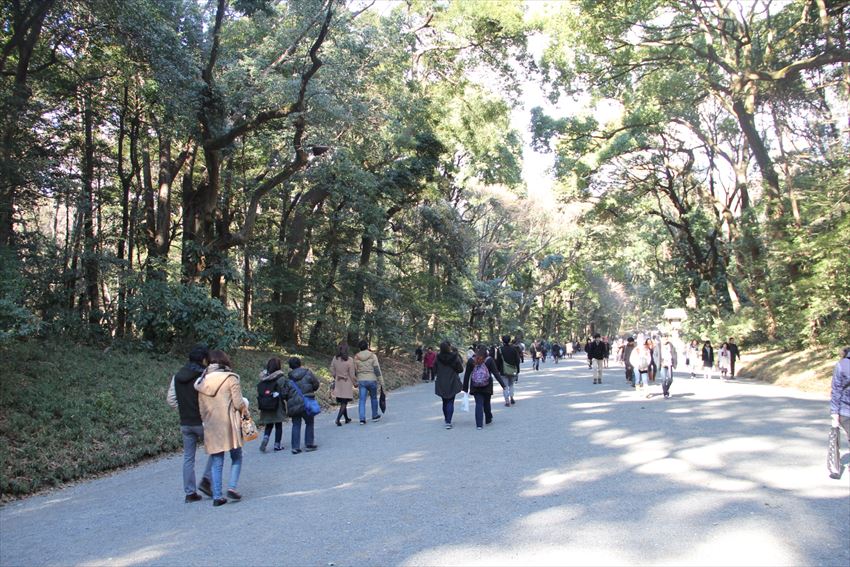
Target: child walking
{"points": [[270, 402]]}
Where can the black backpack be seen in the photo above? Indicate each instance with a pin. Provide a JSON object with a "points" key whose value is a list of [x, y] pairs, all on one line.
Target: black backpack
{"points": [[266, 399]]}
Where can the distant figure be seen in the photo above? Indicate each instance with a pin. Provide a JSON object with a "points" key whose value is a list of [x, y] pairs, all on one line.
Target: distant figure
{"points": [[595, 355], [627, 353], [344, 374], [640, 360], [369, 379], [535, 356], [184, 398], [222, 407], [508, 363], [447, 383], [570, 349], [668, 364], [723, 361], [693, 357], [707, 360], [308, 385], [430, 360], [419, 353], [270, 403], [839, 404], [734, 354], [478, 381]]}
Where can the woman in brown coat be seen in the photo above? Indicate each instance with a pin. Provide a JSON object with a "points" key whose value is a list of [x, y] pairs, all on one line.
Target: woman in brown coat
{"points": [[343, 372], [222, 407]]}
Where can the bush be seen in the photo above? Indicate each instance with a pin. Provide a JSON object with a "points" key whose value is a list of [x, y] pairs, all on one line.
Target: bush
{"points": [[16, 321], [177, 314]]}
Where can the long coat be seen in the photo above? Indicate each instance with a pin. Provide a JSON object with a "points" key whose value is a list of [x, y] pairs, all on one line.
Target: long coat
{"points": [[276, 415], [447, 384], [344, 374], [220, 402]]}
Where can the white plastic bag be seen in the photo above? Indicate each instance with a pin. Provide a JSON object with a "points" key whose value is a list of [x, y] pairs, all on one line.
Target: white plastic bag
{"points": [[464, 402]]}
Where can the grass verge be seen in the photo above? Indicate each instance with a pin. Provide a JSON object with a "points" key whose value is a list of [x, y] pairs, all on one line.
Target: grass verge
{"points": [[69, 412]]}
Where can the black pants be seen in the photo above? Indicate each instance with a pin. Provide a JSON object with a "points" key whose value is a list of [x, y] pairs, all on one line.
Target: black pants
{"points": [[732, 365], [630, 373], [482, 409], [278, 431]]}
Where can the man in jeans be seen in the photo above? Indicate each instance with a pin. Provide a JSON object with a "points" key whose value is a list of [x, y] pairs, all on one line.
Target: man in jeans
{"points": [[183, 397], [668, 364]]}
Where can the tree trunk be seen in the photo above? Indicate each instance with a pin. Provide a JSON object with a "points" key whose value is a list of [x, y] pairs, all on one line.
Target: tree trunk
{"points": [[90, 261], [358, 303], [248, 290]]}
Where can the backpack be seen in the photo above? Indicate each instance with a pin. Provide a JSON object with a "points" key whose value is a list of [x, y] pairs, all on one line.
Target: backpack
{"points": [[481, 376], [266, 398]]}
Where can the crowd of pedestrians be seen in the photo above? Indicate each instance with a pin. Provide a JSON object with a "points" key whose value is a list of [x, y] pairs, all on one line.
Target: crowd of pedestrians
{"points": [[211, 405]]}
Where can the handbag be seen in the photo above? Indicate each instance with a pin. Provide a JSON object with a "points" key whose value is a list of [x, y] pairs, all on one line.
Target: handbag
{"points": [[311, 406], [833, 457], [464, 402], [249, 428], [382, 401]]}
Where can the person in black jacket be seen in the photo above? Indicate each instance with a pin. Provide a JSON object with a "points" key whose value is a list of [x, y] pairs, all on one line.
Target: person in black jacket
{"points": [[595, 354], [478, 381], [308, 385], [508, 362], [447, 384], [734, 354], [184, 398]]}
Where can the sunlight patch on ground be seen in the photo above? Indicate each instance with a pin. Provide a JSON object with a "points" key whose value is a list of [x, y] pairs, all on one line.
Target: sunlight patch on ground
{"points": [[412, 457], [148, 555], [741, 542], [585, 405], [402, 488], [530, 554], [665, 467], [552, 481], [590, 423], [612, 437]]}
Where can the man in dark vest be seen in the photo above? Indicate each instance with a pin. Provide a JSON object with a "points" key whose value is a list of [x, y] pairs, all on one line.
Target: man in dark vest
{"points": [[595, 355], [183, 397], [734, 354]]}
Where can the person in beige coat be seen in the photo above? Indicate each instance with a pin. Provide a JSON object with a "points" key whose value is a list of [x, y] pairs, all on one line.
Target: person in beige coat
{"points": [[369, 378], [222, 407], [345, 379]]}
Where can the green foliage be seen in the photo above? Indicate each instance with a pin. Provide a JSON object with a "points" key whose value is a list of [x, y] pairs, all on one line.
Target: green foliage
{"points": [[177, 314]]}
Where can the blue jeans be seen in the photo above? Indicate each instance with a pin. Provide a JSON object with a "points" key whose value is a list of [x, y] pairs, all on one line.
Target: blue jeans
{"points": [[218, 468], [667, 377], [448, 408], [192, 435], [370, 386], [296, 431], [643, 379]]}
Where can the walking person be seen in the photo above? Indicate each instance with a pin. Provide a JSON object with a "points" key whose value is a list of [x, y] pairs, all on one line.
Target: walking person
{"points": [[654, 350], [183, 397], [270, 403], [595, 355], [535, 356], [344, 375], [723, 361], [369, 379], [508, 363], [640, 359], [569, 348], [447, 383], [694, 357], [734, 354], [478, 381], [222, 408], [627, 353], [302, 383], [668, 364], [707, 356], [839, 402], [430, 360]]}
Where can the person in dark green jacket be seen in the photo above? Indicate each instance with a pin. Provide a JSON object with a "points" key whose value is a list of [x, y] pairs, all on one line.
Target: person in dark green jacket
{"points": [[309, 385]]}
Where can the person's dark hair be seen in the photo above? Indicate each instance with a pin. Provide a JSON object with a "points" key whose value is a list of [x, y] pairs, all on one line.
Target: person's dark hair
{"points": [[363, 345], [707, 342], [342, 350], [596, 336], [198, 353], [506, 339], [273, 365], [482, 352], [630, 340], [294, 362], [218, 357], [446, 347]]}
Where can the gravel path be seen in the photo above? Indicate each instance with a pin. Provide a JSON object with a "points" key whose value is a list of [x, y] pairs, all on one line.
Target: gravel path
{"points": [[721, 474]]}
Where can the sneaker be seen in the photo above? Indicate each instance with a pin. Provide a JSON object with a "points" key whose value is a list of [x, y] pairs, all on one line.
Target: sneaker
{"points": [[362, 422], [310, 448], [448, 426], [296, 451], [507, 404], [338, 424], [488, 420], [194, 497], [233, 495], [264, 444], [205, 487], [377, 418], [479, 427], [219, 501], [347, 420], [279, 447], [512, 400]]}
